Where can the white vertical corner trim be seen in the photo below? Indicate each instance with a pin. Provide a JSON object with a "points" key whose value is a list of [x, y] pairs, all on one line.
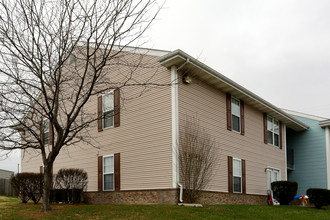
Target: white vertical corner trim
{"points": [[327, 148], [285, 152], [175, 127]]}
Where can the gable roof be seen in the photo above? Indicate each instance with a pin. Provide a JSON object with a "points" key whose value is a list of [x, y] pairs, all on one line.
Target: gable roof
{"points": [[198, 69]]}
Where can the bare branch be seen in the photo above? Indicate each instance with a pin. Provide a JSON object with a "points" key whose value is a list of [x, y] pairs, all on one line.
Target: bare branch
{"points": [[54, 57], [196, 157]]}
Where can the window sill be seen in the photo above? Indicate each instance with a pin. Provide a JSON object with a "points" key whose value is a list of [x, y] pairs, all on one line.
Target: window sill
{"points": [[103, 129], [237, 132], [273, 145]]}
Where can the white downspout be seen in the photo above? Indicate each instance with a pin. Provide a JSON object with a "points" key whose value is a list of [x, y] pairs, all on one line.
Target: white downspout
{"points": [[285, 153], [175, 126], [175, 130], [181, 192], [327, 149]]}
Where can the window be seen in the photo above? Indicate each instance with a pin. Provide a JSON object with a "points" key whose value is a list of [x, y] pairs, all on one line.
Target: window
{"points": [[272, 176], [235, 114], [237, 175], [108, 110], [46, 130], [108, 172], [273, 131]]}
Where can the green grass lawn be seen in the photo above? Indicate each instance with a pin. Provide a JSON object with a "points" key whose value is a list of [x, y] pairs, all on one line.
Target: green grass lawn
{"points": [[11, 208]]}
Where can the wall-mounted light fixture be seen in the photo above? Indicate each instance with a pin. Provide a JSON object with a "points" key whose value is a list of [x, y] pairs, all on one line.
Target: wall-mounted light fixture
{"points": [[186, 78]]}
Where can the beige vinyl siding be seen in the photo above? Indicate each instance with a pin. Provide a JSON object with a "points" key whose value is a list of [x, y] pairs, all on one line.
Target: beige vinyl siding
{"points": [[209, 105], [143, 138]]}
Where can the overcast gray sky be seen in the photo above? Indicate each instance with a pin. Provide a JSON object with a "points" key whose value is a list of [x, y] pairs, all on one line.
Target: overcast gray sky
{"points": [[280, 50]]}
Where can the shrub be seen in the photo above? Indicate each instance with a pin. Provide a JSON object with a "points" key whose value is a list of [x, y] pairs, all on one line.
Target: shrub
{"points": [[69, 185], [66, 195], [71, 179], [36, 187], [28, 186], [318, 197], [284, 191]]}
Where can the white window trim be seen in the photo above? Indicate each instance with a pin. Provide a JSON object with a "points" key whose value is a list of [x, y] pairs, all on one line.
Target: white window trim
{"points": [[237, 159], [273, 132], [271, 170], [113, 117], [239, 116], [103, 173]]}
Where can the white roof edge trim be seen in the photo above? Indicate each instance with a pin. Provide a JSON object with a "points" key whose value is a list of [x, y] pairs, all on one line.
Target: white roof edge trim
{"points": [[231, 83], [171, 58], [130, 49], [325, 123], [304, 115]]}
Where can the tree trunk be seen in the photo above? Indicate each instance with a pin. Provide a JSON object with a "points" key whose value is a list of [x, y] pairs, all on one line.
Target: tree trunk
{"points": [[46, 190]]}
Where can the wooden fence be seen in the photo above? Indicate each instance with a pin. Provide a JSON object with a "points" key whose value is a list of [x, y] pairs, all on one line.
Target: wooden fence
{"points": [[5, 188]]}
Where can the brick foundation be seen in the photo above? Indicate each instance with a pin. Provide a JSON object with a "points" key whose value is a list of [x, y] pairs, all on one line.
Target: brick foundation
{"points": [[220, 198], [158, 196], [170, 196]]}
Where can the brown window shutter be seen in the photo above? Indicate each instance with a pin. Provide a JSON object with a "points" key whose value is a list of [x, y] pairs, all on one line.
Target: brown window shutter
{"points": [[228, 107], [230, 175], [117, 108], [243, 177], [41, 169], [99, 113], [117, 171], [42, 131], [100, 173], [281, 135], [50, 133], [242, 118], [265, 129]]}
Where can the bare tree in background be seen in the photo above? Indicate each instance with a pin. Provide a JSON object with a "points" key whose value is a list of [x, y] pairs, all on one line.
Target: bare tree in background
{"points": [[54, 56], [197, 157]]}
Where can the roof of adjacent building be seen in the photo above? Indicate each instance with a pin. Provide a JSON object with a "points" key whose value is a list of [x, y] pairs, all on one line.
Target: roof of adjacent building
{"points": [[304, 115], [205, 73], [323, 122]]}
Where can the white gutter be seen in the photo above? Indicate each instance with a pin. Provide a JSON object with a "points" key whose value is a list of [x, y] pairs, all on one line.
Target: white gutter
{"points": [[175, 126]]}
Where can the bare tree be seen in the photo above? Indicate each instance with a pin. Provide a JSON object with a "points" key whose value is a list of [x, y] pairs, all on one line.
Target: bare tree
{"points": [[56, 55], [197, 156]]}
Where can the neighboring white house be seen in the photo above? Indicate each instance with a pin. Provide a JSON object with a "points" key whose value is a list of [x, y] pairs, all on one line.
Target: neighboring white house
{"points": [[5, 174]]}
